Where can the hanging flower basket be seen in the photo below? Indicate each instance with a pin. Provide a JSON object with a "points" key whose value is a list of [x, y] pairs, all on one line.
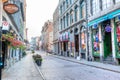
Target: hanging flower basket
{"points": [[12, 41]]}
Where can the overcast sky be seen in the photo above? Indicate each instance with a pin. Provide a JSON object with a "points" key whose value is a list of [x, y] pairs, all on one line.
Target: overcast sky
{"points": [[38, 11]]}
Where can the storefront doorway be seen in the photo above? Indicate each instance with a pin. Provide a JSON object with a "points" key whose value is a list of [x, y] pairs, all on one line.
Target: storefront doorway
{"points": [[107, 39], [107, 44], [77, 45]]}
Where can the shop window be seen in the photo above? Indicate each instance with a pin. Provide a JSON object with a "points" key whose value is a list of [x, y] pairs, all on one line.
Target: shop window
{"points": [[96, 45], [118, 36], [83, 41]]}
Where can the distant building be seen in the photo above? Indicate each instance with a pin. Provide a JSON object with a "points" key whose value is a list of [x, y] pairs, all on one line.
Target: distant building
{"points": [[47, 36], [56, 49], [72, 28], [33, 43]]}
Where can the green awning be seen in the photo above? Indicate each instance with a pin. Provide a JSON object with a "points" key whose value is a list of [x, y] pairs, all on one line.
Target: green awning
{"points": [[105, 17]]}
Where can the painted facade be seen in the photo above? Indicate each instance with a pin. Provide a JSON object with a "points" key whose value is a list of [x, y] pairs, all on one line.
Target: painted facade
{"points": [[16, 29], [72, 20], [104, 29]]}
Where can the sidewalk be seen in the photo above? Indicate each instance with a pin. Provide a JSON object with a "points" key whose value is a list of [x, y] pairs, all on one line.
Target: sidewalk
{"points": [[22, 70], [114, 68]]}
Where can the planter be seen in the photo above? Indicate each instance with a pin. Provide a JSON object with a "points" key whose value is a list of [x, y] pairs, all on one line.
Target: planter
{"points": [[38, 62], [38, 59]]}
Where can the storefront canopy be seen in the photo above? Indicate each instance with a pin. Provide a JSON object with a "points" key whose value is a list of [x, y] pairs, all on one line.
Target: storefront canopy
{"points": [[105, 17], [64, 36]]}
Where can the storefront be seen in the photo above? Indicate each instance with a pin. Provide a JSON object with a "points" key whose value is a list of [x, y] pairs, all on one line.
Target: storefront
{"points": [[117, 37], [105, 36], [64, 44], [83, 42], [76, 39]]}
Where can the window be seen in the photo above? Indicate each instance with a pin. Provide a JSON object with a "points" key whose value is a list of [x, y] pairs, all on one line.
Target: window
{"points": [[67, 5], [71, 16], [61, 24], [67, 19], [95, 6], [70, 1], [82, 9], [106, 4], [64, 21], [76, 12], [116, 1], [63, 6], [61, 9]]}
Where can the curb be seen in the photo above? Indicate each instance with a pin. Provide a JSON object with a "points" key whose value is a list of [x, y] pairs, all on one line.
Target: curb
{"points": [[43, 78], [87, 64]]}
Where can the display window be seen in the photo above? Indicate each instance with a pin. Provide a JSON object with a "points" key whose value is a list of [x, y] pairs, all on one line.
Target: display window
{"points": [[118, 36], [96, 45]]}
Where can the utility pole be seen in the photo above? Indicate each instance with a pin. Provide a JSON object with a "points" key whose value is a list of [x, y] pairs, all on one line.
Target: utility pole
{"points": [[1, 8]]}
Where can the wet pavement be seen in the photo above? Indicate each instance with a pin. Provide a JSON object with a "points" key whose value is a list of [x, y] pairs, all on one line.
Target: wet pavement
{"points": [[22, 70], [58, 69]]}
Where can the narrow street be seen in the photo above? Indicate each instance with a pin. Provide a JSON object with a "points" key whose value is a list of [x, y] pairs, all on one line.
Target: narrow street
{"points": [[58, 69], [22, 70]]}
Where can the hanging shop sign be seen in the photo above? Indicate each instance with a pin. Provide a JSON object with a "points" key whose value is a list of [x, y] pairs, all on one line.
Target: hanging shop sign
{"points": [[11, 8], [108, 28], [5, 25]]}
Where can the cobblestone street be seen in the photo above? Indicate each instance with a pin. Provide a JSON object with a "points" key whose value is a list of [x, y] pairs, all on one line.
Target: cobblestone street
{"points": [[58, 69], [22, 70]]}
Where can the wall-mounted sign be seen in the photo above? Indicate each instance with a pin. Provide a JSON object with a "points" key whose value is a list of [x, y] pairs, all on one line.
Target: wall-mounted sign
{"points": [[108, 28], [11, 8], [5, 25]]}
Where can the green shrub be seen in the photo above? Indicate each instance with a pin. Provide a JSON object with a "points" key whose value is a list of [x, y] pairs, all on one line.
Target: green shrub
{"points": [[24, 53]]}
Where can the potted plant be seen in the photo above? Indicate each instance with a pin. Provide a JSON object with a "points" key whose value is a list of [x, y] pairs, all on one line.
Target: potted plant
{"points": [[38, 59]]}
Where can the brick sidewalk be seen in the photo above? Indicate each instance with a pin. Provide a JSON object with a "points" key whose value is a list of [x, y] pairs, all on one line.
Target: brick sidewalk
{"points": [[22, 70]]}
